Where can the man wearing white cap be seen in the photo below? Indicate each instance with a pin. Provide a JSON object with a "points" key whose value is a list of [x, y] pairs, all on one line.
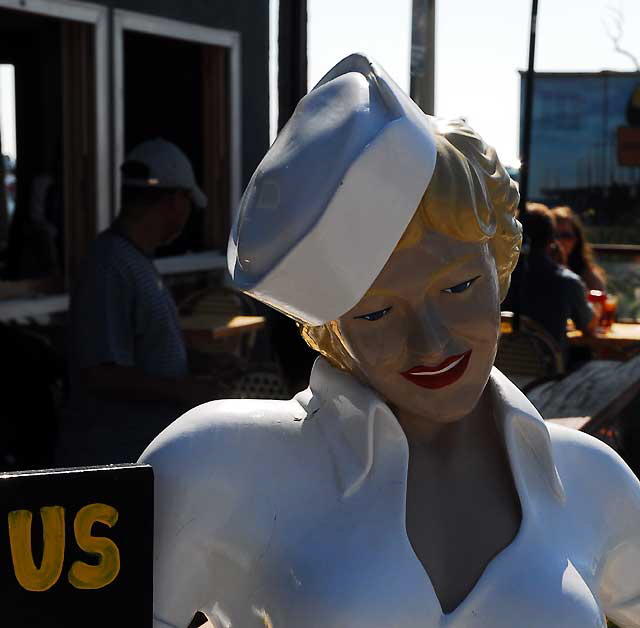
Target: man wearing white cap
{"points": [[128, 363]]}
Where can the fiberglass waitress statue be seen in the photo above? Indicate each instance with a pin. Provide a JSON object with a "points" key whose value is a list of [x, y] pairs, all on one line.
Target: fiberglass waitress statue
{"points": [[411, 485]]}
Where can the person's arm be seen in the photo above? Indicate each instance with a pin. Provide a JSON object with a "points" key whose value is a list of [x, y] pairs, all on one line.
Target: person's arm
{"points": [[221, 365], [594, 280], [582, 314], [592, 325], [127, 383], [104, 340], [616, 492], [602, 513]]}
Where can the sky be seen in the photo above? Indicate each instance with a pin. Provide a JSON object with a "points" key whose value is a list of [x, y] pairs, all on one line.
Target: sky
{"points": [[480, 46]]}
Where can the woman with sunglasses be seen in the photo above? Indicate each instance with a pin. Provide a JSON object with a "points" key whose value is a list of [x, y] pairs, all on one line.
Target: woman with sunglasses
{"points": [[575, 251], [411, 485]]}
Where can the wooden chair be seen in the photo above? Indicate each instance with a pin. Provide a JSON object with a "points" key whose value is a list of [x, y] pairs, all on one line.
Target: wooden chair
{"points": [[529, 355], [265, 382]]}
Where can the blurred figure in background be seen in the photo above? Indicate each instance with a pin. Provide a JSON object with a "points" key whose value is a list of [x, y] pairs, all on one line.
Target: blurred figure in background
{"points": [[575, 252], [129, 373], [550, 292], [38, 255]]}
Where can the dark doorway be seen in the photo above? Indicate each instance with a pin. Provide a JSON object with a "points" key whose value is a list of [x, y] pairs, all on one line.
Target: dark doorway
{"points": [[32, 44], [54, 217], [178, 90]]}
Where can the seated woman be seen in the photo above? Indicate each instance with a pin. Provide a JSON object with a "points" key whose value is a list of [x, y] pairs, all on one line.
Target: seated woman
{"points": [[410, 485], [551, 293], [577, 254]]}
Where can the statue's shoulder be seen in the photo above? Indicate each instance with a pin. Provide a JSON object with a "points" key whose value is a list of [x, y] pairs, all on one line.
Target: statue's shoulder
{"points": [[224, 472], [232, 446], [226, 427]]}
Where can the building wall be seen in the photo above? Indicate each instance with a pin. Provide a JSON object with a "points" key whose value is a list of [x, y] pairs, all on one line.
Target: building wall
{"points": [[251, 19]]}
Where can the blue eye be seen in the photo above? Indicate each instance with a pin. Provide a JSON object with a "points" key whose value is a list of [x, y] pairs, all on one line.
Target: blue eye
{"points": [[374, 316], [460, 287]]}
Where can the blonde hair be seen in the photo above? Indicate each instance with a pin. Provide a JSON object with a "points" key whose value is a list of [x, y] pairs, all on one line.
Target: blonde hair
{"points": [[469, 198]]}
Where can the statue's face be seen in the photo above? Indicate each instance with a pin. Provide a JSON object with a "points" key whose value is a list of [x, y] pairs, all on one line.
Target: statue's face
{"points": [[425, 334]]}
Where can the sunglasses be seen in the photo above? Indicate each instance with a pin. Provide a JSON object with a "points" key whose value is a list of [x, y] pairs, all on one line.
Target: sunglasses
{"points": [[565, 235]]}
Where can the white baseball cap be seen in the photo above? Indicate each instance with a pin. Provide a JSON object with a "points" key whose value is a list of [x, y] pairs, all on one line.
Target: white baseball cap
{"points": [[332, 197], [160, 164]]}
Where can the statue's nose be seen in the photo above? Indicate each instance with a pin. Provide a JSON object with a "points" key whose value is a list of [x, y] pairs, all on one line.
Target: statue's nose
{"points": [[431, 334]]}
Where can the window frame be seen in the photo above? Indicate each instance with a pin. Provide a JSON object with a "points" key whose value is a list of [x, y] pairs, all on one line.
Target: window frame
{"points": [[124, 20], [110, 26], [98, 17]]}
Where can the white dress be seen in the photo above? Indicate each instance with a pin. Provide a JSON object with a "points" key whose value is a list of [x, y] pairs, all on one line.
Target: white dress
{"points": [[291, 514]]}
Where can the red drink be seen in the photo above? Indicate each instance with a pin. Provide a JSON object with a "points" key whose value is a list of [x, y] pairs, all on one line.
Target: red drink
{"points": [[609, 312], [597, 298]]}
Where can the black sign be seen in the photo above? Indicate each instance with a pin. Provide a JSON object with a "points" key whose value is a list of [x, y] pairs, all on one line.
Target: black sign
{"points": [[76, 547]]}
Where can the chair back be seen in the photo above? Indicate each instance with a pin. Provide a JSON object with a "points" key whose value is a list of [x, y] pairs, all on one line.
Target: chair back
{"points": [[528, 355], [264, 382]]}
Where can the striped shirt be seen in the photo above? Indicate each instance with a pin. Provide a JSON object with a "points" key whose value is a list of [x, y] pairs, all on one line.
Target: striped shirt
{"points": [[121, 313]]}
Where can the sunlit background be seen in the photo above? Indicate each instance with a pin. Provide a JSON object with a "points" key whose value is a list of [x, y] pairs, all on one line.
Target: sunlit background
{"points": [[7, 110], [480, 46]]}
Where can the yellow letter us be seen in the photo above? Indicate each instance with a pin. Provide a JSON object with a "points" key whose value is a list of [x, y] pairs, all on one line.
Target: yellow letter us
{"points": [[82, 575], [27, 574]]}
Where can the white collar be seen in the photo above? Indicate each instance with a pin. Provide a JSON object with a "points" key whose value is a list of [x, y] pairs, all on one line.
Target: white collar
{"points": [[357, 416]]}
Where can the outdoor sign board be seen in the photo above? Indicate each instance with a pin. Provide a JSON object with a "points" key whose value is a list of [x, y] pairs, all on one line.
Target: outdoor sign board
{"points": [[76, 547], [579, 157]]}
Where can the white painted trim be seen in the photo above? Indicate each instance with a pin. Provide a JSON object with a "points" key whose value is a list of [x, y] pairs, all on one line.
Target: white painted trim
{"points": [[61, 9], [153, 25], [103, 176], [191, 263], [33, 307], [118, 108], [98, 16], [235, 114], [22, 309]]}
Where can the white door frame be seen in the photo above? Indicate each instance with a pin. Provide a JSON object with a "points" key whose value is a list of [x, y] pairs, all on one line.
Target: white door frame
{"points": [[98, 16], [153, 25]]}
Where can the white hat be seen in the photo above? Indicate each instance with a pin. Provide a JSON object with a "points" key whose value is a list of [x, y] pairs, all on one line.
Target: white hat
{"points": [[161, 164], [333, 195]]}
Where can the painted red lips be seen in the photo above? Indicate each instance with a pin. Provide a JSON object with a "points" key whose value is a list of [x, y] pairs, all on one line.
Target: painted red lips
{"points": [[439, 376]]}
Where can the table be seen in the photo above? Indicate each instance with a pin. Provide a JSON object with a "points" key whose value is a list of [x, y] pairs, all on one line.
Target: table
{"points": [[593, 398], [217, 326], [620, 342]]}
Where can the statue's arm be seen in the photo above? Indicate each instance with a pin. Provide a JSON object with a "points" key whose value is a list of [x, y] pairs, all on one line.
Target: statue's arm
{"points": [[618, 497], [600, 515]]}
